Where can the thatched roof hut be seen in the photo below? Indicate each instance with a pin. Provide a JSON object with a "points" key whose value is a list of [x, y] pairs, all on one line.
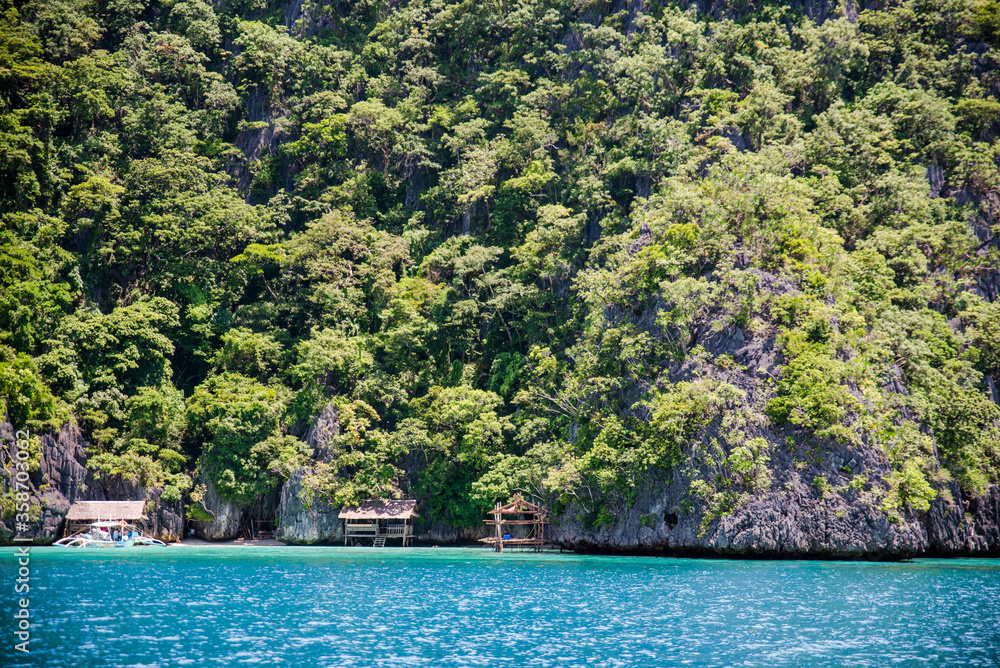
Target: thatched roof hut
{"points": [[381, 509], [82, 513], [85, 511], [378, 520]]}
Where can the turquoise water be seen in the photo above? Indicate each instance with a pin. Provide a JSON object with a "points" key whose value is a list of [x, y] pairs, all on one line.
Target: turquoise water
{"points": [[233, 605]]}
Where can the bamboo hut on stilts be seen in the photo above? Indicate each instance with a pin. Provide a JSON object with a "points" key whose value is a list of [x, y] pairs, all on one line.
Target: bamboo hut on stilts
{"points": [[518, 523]]}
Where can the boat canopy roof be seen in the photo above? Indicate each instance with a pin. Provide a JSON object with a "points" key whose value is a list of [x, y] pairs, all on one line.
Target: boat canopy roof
{"points": [[109, 525]]}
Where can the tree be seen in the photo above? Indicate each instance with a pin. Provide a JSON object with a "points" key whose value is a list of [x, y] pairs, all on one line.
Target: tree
{"points": [[464, 436], [231, 416]]}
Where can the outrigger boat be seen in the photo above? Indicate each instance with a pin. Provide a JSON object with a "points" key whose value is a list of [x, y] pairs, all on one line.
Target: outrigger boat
{"points": [[108, 534]]}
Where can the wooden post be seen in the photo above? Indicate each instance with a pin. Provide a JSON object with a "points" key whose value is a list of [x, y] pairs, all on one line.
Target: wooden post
{"points": [[499, 529]]}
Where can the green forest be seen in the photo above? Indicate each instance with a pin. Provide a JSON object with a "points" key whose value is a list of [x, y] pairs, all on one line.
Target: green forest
{"points": [[493, 239]]}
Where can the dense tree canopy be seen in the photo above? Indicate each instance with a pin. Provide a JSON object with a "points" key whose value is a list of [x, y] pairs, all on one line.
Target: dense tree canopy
{"points": [[495, 239]]}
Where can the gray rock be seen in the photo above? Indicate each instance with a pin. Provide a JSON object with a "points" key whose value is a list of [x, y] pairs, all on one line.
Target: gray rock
{"points": [[64, 457], [935, 179], [791, 518], [960, 526], [794, 523], [166, 518], [227, 515], [318, 438], [63, 479], [301, 523], [438, 531]]}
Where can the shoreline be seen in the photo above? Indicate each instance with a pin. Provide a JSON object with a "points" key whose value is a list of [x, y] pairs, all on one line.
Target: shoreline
{"points": [[703, 555], [699, 556], [274, 542], [247, 542]]}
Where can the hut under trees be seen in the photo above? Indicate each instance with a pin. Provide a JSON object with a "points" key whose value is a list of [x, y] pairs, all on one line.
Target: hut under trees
{"points": [[379, 520], [84, 513], [518, 523]]}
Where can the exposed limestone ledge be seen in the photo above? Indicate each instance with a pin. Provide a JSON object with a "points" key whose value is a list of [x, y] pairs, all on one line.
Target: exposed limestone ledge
{"points": [[302, 524], [226, 514], [795, 522]]}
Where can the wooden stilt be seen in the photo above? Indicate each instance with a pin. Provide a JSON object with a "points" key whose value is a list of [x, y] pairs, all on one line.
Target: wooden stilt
{"points": [[517, 512]]}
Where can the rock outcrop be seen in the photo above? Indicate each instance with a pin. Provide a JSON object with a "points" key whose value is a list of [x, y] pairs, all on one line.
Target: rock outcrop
{"points": [[320, 434], [167, 517], [63, 479], [824, 499], [226, 515], [303, 520], [795, 522], [302, 523], [958, 526]]}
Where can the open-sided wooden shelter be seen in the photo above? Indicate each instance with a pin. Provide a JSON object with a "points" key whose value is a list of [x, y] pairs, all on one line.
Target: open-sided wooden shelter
{"points": [[83, 513], [380, 519], [517, 523]]}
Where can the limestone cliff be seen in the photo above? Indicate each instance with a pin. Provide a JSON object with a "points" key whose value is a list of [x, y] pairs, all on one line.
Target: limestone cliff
{"points": [[811, 497], [225, 515], [303, 520], [63, 479], [306, 523], [794, 520], [792, 493]]}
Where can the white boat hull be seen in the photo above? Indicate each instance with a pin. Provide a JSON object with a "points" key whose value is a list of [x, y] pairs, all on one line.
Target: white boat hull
{"points": [[85, 541]]}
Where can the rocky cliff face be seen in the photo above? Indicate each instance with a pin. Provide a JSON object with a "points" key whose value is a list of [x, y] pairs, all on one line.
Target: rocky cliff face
{"points": [[301, 523], [63, 479], [55, 486], [301, 519], [442, 532], [226, 515], [795, 517], [822, 498], [319, 436], [795, 522], [230, 519], [960, 526]]}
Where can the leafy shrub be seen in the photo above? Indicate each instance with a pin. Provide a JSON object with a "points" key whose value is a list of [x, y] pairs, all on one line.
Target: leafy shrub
{"points": [[231, 414], [907, 488], [821, 485], [811, 395]]}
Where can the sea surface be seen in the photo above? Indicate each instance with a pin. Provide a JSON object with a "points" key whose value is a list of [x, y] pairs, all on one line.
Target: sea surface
{"points": [[336, 606]]}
